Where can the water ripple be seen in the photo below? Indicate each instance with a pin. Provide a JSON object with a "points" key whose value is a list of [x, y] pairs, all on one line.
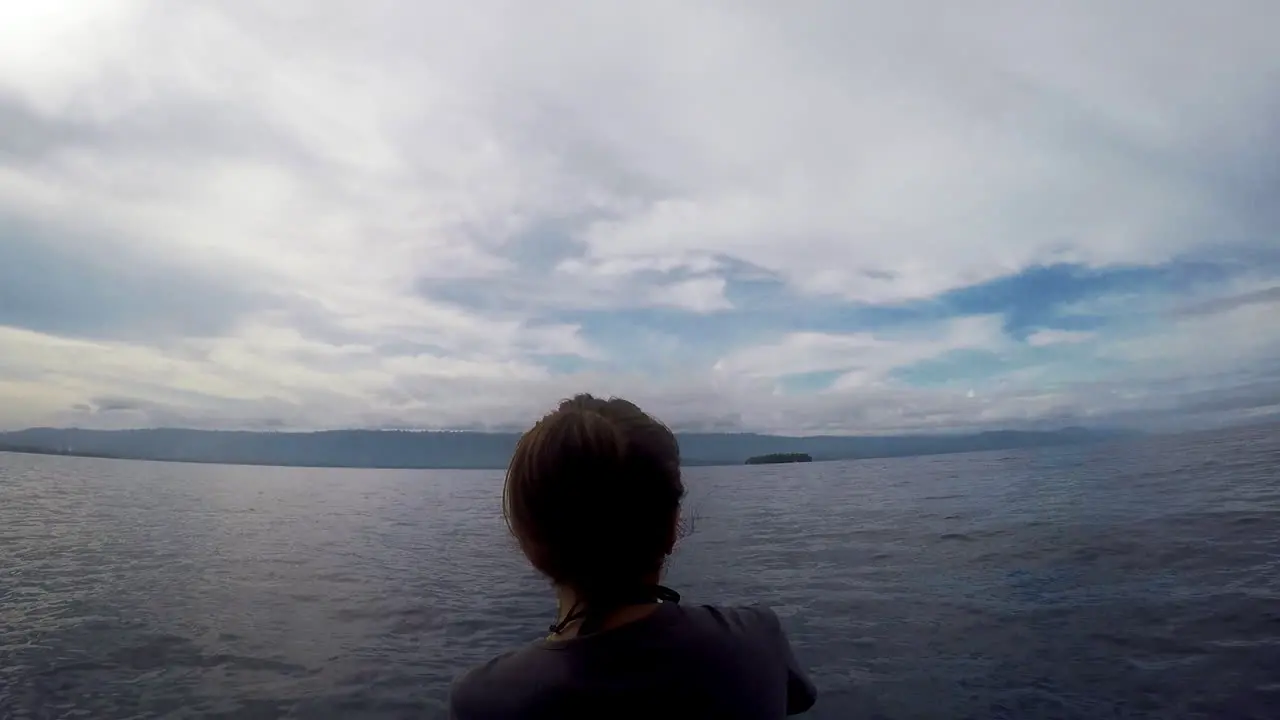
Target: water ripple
{"points": [[1121, 581]]}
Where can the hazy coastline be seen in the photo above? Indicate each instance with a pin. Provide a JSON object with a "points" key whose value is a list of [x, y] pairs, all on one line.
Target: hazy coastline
{"points": [[383, 449]]}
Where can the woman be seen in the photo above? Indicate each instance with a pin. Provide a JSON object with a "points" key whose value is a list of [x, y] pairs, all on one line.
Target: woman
{"points": [[593, 497]]}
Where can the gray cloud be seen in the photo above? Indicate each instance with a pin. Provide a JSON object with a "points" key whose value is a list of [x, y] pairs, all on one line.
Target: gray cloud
{"points": [[1220, 305], [381, 213], [28, 137], [181, 129], [79, 288], [115, 404]]}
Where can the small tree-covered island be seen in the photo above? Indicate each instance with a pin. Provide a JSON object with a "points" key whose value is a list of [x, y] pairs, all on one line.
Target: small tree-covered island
{"points": [[774, 458]]}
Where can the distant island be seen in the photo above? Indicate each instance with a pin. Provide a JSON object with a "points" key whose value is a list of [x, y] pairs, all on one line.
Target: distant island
{"points": [[779, 458], [413, 449]]}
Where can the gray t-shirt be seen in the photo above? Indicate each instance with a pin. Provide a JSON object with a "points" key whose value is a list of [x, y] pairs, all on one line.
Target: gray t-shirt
{"points": [[679, 661]]}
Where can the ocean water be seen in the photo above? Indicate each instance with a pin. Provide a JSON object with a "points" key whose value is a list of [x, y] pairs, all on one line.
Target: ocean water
{"points": [[1129, 580]]}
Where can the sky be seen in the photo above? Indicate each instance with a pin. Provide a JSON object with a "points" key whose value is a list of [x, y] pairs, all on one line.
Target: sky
{"points": [[801, 217]]}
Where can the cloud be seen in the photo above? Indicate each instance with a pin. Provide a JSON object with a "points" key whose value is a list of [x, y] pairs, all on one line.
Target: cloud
{"points": [[81, 286], [1043, 338], [1264, 296], [860, 353], [833, 217]]}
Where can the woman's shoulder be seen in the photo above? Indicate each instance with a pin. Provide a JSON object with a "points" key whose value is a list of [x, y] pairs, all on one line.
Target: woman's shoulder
{"points": [[494, 688], [748, 619], [676, 644]]}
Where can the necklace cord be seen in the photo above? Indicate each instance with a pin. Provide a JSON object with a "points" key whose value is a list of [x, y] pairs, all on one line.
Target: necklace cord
{"points": [[593, 616]]}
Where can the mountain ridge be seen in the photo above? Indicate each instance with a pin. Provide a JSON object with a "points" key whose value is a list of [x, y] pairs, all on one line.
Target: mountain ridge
{"points": [[470, 449]]}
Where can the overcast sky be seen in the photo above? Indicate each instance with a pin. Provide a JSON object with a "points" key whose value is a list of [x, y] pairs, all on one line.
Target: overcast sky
{"points": [[795, 217]]}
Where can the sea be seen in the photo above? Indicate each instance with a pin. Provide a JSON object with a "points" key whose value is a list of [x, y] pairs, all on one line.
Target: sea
{"points": [[1135, 579]]}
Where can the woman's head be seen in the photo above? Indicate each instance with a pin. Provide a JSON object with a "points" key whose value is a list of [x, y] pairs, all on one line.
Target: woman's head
{"points": [[593, 494]]}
